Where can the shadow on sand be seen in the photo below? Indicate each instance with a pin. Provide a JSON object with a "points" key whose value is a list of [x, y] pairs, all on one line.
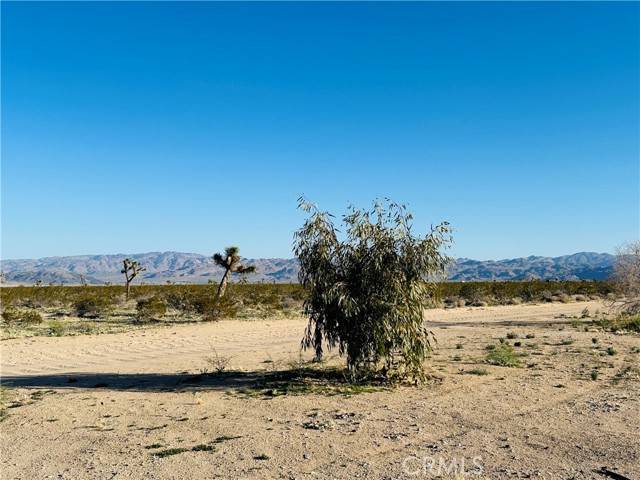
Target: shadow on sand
{"points": [[143, 382], [253, 383]]}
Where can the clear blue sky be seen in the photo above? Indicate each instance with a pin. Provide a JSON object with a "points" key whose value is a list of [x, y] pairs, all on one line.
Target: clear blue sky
{"points": [[133, 127]]}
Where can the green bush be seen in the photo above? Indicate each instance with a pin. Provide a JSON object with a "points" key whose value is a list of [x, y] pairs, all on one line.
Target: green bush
{"points": [[13, 315], [56, 328], [368, 291], [92, 306], [31, 316], [503, 355], [10, 315], [152, 308]]}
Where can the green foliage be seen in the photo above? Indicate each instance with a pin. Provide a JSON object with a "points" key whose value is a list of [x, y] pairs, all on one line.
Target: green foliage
{"points": [[513, 292], [31, 316], [623, 321], [92, 306], [56, 328], [152, 308], [367, 293], [11, 315], [503, 355]]}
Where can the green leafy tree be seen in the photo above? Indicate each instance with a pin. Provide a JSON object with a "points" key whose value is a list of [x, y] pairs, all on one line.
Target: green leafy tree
{"points": [[368, 288], [230, 261], [130, 269]]}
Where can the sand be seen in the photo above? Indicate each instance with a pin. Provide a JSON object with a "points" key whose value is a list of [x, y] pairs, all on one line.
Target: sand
{"points": [[105, 406]]}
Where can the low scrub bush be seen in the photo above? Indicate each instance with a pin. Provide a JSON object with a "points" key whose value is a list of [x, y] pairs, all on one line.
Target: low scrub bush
{"points": [[630, 323], [92, 306], [11, 315], [503, 355], [152, 308]]}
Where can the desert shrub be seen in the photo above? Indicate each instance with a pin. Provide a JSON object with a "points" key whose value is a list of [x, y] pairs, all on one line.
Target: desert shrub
{"points": [[151, 308], [473, 293], [92, 306], [13, 315], [213, 308], [218, 363], [631, 322], [503, 355], [627, 278], [31, 316], [10, 315], [621, 322], [564, 298], [56, 328], [367, 293]]}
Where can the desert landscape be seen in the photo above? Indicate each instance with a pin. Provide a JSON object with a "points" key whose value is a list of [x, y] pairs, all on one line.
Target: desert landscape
{"points": [[235, 399], [319, 240]]}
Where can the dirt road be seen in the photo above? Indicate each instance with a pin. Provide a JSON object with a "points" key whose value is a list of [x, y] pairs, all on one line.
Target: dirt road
{"points": [[132, 405]]}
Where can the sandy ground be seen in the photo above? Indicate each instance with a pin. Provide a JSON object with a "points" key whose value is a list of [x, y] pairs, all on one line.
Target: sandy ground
{"points": [[103, 407]]}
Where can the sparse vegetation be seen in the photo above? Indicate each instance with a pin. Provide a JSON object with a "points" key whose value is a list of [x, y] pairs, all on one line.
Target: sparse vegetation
{"points": [[12, 315], [621, 322], [503, 355], [218, 363], [92, 306], [153, 308]]}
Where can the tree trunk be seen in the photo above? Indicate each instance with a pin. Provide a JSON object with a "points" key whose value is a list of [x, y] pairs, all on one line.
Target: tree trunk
{"points": [[223, 284], [128, 288]]}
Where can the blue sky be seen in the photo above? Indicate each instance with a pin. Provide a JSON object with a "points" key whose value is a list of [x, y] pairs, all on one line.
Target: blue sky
{"points": [[133, 127]]}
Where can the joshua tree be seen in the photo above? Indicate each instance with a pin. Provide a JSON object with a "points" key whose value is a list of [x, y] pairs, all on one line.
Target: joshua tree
{"points": [[131, 269], [230, 261]]}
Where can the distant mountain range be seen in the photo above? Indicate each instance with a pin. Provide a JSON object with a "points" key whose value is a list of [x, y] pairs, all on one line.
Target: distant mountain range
{"points": [[194, 268]]}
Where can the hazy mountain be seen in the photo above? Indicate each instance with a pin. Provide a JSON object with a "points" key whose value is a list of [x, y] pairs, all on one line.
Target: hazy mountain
{"points": [[579, 266], [194, 268]]}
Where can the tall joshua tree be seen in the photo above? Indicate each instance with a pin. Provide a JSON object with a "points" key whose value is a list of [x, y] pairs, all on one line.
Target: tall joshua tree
{"points": [[131, 268], [230, 261]]}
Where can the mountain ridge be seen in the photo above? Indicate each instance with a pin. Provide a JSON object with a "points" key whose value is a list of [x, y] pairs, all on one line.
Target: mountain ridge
{"points": [[181, 267]]}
